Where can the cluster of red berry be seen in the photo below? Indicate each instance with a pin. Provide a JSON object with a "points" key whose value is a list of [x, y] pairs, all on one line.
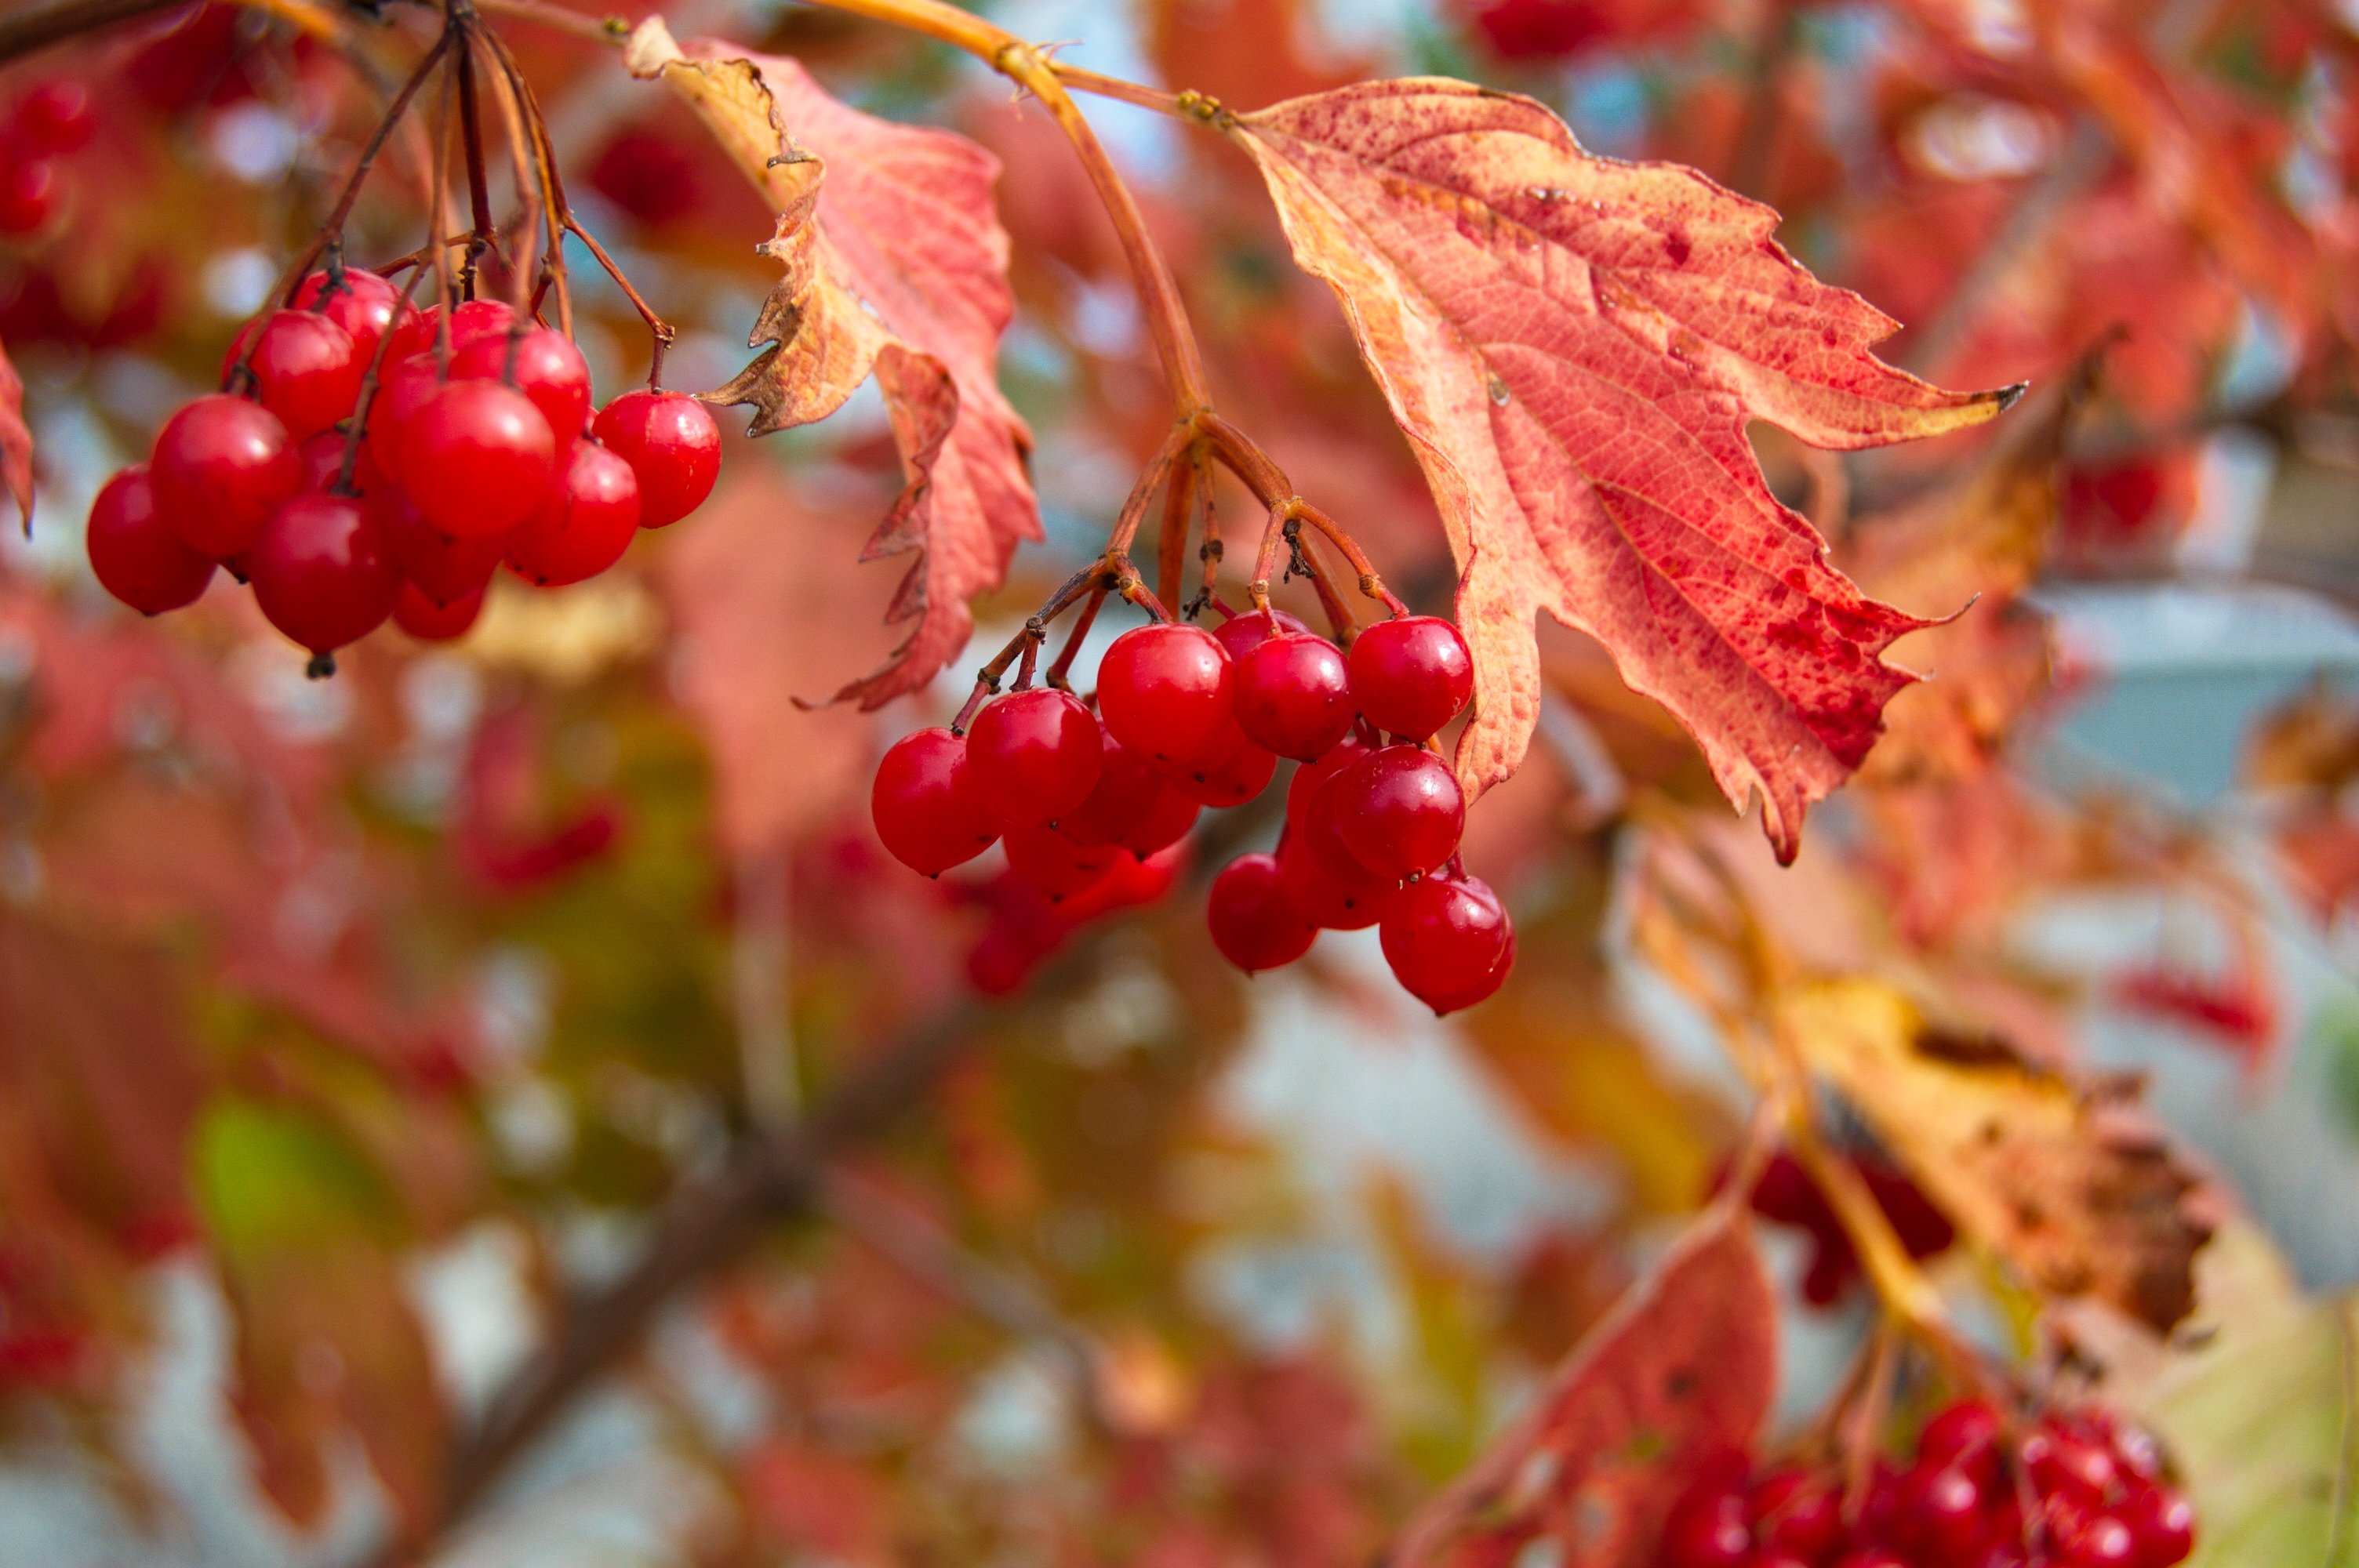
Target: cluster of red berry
{"points": [[40, 130], [1786, 1195], [2070, 1489], [1187, 719], [342, 513]]}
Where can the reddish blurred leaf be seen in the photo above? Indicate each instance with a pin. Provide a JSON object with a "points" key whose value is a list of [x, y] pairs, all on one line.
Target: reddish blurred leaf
{"points": [[1574, 346], [896, 265], [1681, 1375], [765, 611], [16, 441]]}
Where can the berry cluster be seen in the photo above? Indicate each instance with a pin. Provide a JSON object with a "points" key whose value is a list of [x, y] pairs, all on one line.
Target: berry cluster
{"points": [[1786, 1195], [343, 505], [1187, 719], [2070, 1489], [37, 134]]}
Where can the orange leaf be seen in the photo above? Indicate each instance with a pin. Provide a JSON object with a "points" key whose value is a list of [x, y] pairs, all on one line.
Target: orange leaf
{"points": [[1681, 1374], [16, 441], [1574, 346], [897, 267]]}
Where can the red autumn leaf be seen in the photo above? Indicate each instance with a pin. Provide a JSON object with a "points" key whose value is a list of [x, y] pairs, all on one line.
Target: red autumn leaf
{"points": [[16, 441], [1574, 346], [1678, 1377], [896, 266]]}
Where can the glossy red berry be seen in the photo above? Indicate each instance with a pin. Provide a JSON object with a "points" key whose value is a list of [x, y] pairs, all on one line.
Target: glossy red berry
{"points": [[584, 522], [925, 805], [479, 318], [1941, 1513], [29, 192], [1311, 777], [414, 331], [428, 622], [1873, 1557], [1053, 863], [221, 466], [477, 458], [445, 570], [2164, 1523], [1238, 778], [1034, 755], [1294, 694], [403, 387], [1327, 901], [1707, 1529], [671, 441], [55, 118], [1411, 676], [1166, 823], [1797, 1512], [1445, 939], [307, 370], [320, 571], [1253, 917], [1165, 691], [1962, 1431], [364, 304], [1119, 802], [1240, 634], [546, 368], [2075, 1466], [1400, 811], [134, 556], [2101, 1540]]}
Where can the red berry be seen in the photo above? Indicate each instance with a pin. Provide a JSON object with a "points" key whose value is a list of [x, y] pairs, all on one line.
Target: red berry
{"points": [[1961, 1432], [670, 439], [1872, 1557], [1327, 902], [402, 389], [1049, 861], [136, 558], [1481, 989], [1706, 1530], [54, 118], [1164, 691], [445, 570], [477, 458], [2164, 1522], [1253, 918], [321, 457], [548, 369], [925, 805], [1166, 823], [1240, 634], [1411, 676], [221, 465], [1125, 792], [414, 329], [1242, 775], [478, 319], [1294, 694], [1444, 939], [1311, 777], [2101, 1541], [320, 571], [428, 622], [307, 371], [584, 522], [2073, 1466], [1941, 1512], [363, 304], [1400, 811], [29, 194], [1797, 1513], [1034, 755]]}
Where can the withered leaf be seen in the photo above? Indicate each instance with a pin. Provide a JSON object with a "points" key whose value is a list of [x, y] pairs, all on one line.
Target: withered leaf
{"points": [[2066, 1180], [1573, 345], [896, 266]]}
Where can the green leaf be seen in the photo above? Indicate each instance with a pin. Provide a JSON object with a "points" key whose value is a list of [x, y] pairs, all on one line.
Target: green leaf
{"points": [[267, 1176]]}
